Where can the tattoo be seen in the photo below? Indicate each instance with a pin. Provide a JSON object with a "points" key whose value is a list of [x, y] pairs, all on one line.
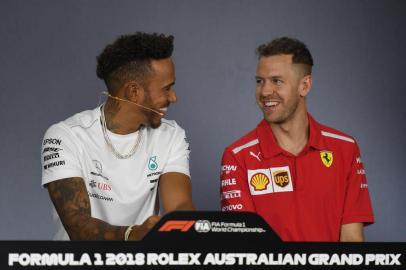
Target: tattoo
{"points": [[111, 109], [72, 203]]}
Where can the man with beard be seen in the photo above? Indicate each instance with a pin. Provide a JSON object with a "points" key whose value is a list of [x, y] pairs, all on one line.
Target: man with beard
{"points": [[305, 179], [105, 167]]}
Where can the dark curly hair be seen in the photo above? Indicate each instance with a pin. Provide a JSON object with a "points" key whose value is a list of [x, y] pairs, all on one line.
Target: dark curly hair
{"points": [[285, 45], [129, 58]]}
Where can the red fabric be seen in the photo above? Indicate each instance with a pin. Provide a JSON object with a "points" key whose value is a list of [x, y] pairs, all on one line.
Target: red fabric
{"points": [[300, 197]]}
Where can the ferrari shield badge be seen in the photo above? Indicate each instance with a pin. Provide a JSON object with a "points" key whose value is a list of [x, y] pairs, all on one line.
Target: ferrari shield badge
{"points": [[326, 158]]}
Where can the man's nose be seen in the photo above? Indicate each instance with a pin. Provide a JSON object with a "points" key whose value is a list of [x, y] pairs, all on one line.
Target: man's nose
{"points": [[172, 96]]}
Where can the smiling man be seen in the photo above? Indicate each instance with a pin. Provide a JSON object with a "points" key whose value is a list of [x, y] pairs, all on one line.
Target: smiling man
{"points": [[304, 178], [106, 168]]}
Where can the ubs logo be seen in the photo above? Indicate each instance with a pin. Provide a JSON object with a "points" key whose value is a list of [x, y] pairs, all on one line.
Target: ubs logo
{"points": [[281, 178]]}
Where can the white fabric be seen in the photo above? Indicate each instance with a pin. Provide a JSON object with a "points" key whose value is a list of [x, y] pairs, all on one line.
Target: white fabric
{"points": [[121, 191]]}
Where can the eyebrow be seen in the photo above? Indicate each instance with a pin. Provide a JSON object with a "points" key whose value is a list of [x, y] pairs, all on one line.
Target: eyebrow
{"points": [[169, 85]]}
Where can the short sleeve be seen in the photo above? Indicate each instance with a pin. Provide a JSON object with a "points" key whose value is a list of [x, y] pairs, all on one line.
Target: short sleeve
{"points": [[234, 191], [59, 155], [178, 160], [357, 205]]}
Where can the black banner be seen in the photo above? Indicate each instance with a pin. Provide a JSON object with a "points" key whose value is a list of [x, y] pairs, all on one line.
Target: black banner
{"points": [[202, 240]]}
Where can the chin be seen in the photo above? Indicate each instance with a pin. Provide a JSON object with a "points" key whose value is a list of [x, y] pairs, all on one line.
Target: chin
{"points": [[155, 124]]}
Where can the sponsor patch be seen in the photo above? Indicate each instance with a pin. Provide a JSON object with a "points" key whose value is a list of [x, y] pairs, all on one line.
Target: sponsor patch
{"points": [[228, 168], [228, 182], [232, 207], [327, 158], [230, 194], [281, 178], [259, 181]]}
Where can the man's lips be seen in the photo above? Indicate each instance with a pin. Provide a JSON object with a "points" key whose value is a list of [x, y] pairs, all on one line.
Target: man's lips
{"points": [[270, 105]]}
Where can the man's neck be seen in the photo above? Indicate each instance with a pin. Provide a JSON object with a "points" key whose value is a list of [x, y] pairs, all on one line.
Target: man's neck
{"points": [[293, 135], [118, 120]]}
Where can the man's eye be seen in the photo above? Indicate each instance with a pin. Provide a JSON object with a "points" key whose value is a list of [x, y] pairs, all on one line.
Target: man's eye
{"points": [[258, 81], [277, 81]]}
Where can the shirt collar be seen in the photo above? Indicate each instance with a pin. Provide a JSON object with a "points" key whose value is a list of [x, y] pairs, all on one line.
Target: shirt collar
{"points": [[269, 146]]}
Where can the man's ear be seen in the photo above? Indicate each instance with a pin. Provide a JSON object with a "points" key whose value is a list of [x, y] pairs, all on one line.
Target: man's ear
{"points": [[133, 91], [305, 85]]}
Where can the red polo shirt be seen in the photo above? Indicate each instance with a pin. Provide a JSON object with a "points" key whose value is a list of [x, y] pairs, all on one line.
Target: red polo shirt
{"points": [[305, 197]]}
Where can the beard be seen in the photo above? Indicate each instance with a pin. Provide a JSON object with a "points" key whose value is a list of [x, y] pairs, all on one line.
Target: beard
{"points": [[284, 116]]}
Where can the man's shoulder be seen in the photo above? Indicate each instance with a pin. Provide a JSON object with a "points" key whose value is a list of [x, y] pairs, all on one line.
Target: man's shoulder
{"points": [[332, 135], [247, 140], [83, 120]]}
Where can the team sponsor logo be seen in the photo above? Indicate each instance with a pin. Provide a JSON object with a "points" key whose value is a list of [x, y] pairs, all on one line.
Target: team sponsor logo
{"points": [[326, 158], [152, 164], [259, 181], [255, 155], [154, 174], [154, 180], [228, 182], [265, 181], [231, 194], [51, 156], [281, 178], [92, 184], [54, 164], [51, 149], [178, 225], [360, 171], [52, 141], [100, 197], [187, 142], [364, 185], [358, 160], [232, 207], [228, 168], [100, 185], [202, 226]]}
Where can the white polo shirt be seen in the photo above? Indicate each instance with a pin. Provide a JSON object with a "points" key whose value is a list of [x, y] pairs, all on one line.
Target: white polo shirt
{"points": [[122, 192]]}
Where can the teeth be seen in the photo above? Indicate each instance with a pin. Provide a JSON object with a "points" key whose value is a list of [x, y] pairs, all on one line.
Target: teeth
{"points": [[164, 109], [271, 103]]}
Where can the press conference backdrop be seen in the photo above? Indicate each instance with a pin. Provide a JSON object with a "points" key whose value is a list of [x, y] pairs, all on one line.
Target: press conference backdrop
{"points": [[48, 56]]}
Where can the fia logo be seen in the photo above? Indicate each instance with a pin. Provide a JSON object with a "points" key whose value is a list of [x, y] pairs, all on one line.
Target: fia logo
{"points": [[152, 164], [202, 226]]}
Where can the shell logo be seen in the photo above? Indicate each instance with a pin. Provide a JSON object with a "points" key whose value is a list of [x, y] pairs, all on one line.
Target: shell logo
{"points": [[259, 181]]}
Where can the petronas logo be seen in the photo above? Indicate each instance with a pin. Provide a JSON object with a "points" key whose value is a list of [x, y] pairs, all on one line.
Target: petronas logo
{"points": [[152, 165]]}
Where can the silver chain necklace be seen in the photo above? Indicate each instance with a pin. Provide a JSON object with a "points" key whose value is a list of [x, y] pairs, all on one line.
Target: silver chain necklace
{"points": [[110, 144]]}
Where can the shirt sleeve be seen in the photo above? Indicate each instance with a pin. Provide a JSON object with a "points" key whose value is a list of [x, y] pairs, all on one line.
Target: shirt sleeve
{"points": [[178, 160], [59, 155], [357, 205], [234, 191]]}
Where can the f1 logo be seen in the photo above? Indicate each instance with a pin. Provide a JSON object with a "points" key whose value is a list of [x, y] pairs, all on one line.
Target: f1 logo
{"points": [[182, 225]]}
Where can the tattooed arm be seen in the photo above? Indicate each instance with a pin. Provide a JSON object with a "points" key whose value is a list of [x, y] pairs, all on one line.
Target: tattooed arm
{"points": [[72, 203]]}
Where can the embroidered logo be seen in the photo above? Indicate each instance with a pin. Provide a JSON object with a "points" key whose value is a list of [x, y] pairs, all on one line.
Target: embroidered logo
{"points": [[326, 158], [92, 184], [256, 156], [152, 164], [281, 178], [98, 166], [259, 181]]}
